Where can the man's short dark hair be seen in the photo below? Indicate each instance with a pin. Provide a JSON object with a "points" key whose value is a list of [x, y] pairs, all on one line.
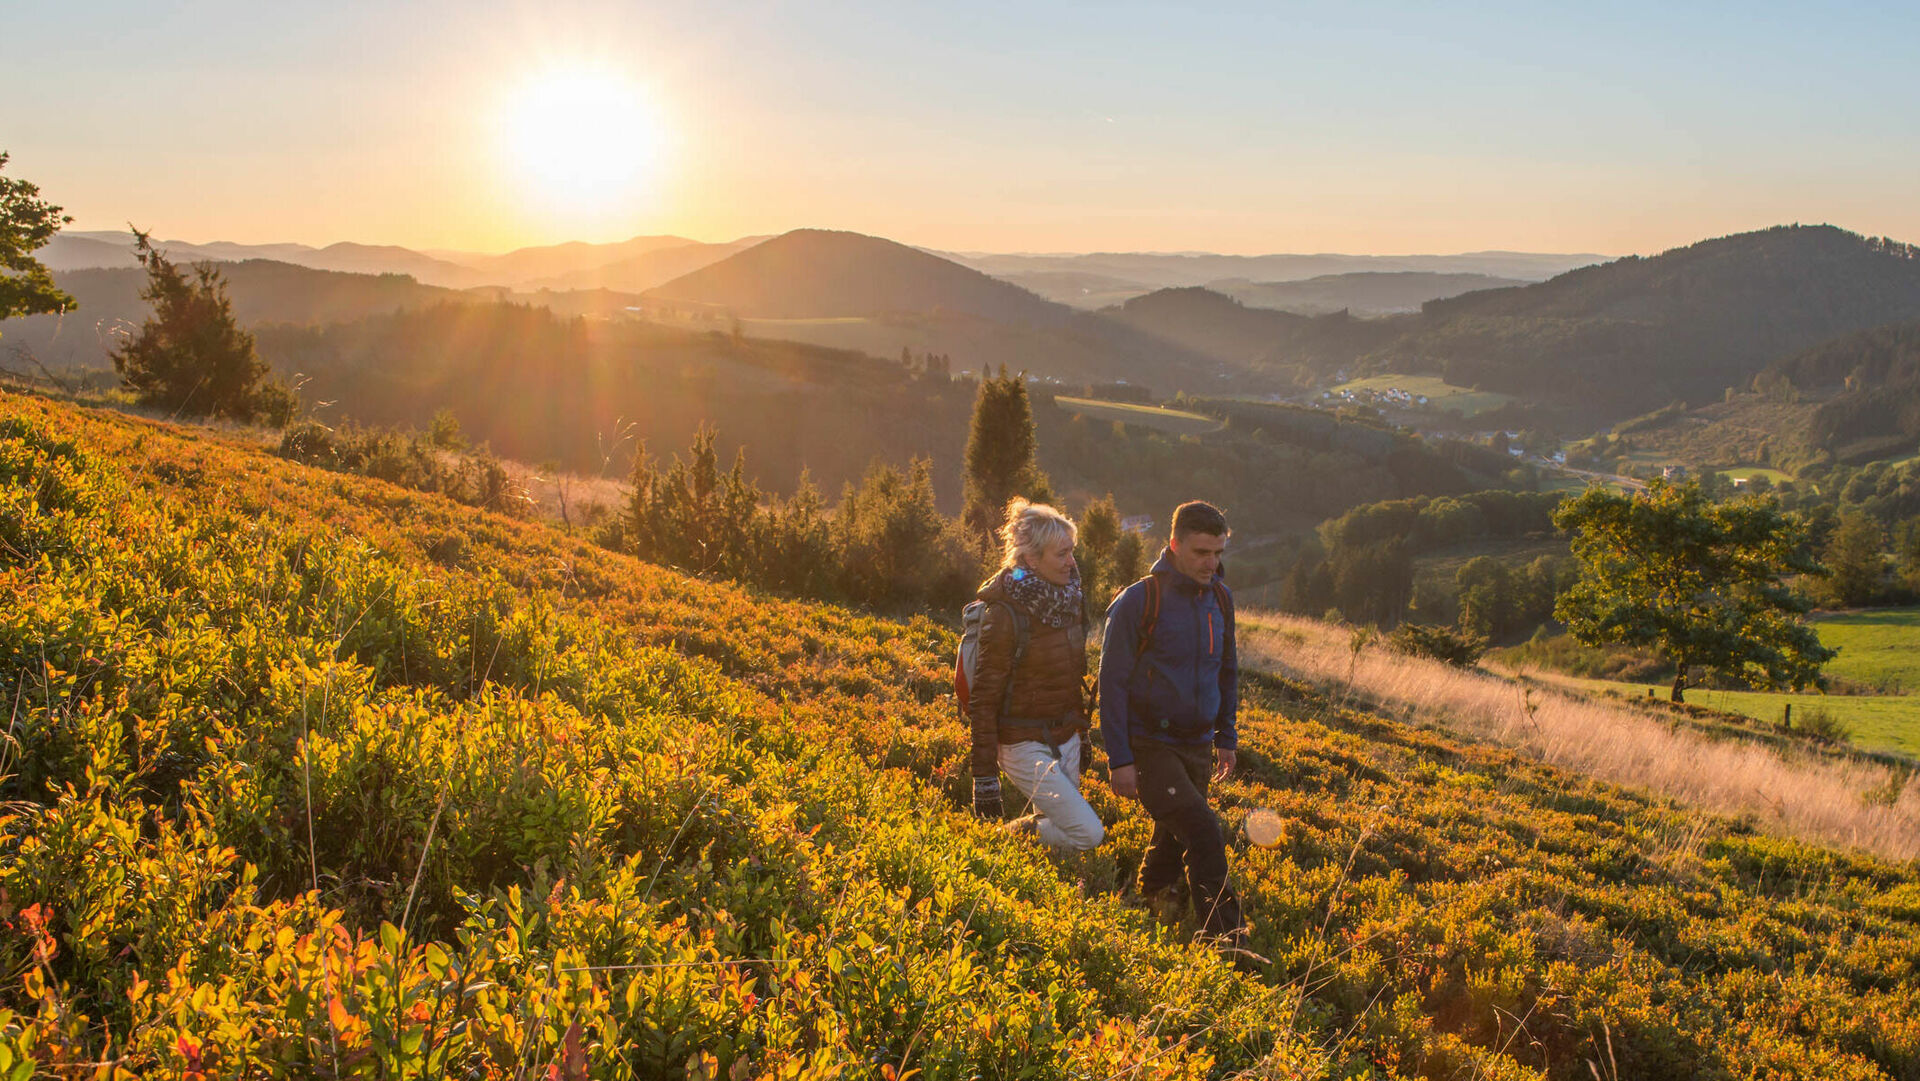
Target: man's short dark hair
{"points": [[1199, 517]]}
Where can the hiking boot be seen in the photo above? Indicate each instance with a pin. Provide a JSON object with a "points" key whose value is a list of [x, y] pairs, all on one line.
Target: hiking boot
{"points": [[1167, 902], [1027, 825]]}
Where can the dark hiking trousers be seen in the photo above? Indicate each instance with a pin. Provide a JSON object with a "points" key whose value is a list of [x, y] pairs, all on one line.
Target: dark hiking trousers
{"points": [[1173, 780]]}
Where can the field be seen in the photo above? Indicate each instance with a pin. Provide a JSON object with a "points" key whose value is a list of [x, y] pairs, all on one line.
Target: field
{"points": [[310, 776], [1441, 396], [1748, 472], [1159, 418], [1879, 648]]}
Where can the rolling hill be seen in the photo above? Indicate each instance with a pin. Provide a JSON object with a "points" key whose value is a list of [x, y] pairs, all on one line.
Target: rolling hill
{"points": [[1283, 345], [262, 291], [641, 272], [109, 250], [546, 262], [1610, 341], [816, 273], [852, 291], [316, 776]]}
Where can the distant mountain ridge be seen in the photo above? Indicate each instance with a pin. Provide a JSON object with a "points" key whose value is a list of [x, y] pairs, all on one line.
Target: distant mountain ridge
{"points": [[1159, 269], [642, 262], [263, 291], [1369, 292], [629, 265]]}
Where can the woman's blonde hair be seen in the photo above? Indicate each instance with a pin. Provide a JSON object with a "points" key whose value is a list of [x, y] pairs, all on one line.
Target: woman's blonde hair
{"points": [[1030, 528]]}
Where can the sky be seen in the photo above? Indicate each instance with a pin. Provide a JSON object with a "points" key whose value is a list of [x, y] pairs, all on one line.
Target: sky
{"points": [[1378, 128]]}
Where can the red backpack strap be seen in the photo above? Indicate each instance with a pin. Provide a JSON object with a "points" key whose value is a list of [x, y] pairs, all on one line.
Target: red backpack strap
{"points": [[1149, 615]]}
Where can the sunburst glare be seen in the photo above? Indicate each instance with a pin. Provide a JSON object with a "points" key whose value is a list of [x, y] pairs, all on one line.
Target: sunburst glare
{"points": [[582, 140]]}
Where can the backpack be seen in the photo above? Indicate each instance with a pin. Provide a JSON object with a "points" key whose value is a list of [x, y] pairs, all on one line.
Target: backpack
{"points": [[966, 665], [1150, 609]]}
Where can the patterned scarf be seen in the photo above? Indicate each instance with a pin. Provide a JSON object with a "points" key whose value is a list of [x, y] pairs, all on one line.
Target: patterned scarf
{"points": [[1056, 606]]}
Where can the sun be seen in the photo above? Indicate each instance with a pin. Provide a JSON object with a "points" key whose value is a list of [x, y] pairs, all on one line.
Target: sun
{"points": [[582, 140]]}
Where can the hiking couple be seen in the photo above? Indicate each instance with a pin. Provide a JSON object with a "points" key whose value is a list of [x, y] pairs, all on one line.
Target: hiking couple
{"points": [[1167, 692]]}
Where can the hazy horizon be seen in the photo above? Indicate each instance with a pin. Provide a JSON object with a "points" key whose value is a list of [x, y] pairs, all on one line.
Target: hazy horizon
{"points": [[1388, 129]]}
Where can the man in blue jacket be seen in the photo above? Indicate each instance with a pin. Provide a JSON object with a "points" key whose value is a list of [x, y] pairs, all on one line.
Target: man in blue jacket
{"points": [[1169, 693]]}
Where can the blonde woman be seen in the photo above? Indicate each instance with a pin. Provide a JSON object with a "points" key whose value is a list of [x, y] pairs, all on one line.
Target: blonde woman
{"points": [[1028, 705]]}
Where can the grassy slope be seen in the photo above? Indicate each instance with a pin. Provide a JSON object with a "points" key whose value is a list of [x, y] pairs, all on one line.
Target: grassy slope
{"points": [[1879, 648], [1873, 723], [1159, 418], [610, 766]]}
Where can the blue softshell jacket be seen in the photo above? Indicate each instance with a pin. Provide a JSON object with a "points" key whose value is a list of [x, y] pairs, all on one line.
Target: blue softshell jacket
{"points": [[1187, 687]]}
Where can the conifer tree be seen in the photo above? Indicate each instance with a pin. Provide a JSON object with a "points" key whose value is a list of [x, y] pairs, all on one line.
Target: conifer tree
{"points": [[1099, 533], [1000, 455], [190, 356]]}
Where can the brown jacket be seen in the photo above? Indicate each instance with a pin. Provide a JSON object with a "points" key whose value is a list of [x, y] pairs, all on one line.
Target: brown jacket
{"points": [[1049, 690]]}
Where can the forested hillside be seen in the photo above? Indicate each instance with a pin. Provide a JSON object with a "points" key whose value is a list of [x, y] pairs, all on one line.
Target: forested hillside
{"points": [[314, 777], [1297, 348], [1365, 293], [1870, 383], [1611, 341], [586, 393]]}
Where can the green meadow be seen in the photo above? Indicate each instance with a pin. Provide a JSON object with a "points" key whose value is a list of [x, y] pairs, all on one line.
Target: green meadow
{"points": [[1160, 418], [1748, 472], [1879, 648]]}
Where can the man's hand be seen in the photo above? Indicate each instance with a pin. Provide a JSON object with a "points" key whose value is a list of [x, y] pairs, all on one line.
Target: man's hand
{"points": [[1125, 784], [986, 797], [1223, 762]]}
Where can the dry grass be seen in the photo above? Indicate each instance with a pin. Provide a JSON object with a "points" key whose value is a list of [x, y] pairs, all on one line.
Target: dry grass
{"points": [[579, 494], [1821, 799]]}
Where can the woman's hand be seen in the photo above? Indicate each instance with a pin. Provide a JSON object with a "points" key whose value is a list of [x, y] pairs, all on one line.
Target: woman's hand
{"points": [[1125, 784]]}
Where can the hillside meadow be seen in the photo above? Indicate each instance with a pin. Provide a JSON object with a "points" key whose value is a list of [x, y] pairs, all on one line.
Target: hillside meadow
{"points": [[308, 776], [1879, 647], [1869, 722]]}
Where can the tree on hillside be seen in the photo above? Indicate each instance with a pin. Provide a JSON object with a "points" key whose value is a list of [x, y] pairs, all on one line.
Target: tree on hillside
{"points": [[27, 222], [190, 356], [1000, 454], [1853, 557], [895, 544], [1099, 534], [1702, 583]]}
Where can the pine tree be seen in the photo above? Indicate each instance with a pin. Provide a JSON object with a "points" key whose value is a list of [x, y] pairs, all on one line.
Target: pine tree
{"points": [[1000, 455], [1099, 533], [190, 356]]}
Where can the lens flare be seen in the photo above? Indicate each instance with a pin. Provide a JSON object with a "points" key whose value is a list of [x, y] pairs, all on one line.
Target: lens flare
{"points": [[583, 140]]}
